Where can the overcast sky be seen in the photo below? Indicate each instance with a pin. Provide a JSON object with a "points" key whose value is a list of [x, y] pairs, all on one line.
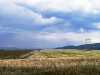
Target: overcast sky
{"points": [[48, 23]]}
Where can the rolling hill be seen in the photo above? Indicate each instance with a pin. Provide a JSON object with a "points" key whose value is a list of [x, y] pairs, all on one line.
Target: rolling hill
{"points": [[92, 46]]}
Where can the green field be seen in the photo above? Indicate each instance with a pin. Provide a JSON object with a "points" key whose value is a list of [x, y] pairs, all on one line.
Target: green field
{"points": [[52, 62], [12, 54], [66, 53]]}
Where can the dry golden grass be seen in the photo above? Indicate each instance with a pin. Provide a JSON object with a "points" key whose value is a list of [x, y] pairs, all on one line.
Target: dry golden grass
{"points": [[64, 54], [55, 58], [47, 62], [54, 62]]}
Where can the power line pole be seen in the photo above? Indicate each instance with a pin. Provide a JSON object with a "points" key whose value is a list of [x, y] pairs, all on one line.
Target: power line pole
{"points": [[68, 46], [87, 44]]}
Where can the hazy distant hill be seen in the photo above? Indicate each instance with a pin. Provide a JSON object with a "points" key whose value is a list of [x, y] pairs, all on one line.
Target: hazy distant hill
{"points": [[16, 48], [8, 48], [92, 46]]}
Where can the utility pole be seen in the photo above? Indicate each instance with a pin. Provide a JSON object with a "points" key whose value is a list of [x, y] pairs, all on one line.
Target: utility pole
{"points": [[68, 46], [87, 44]]}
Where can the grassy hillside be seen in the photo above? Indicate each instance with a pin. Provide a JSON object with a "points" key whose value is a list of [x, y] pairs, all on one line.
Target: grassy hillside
{"points": [[54, 62], [64, 54]]}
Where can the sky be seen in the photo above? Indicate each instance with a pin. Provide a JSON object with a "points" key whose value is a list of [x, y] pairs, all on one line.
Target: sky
{"points": [[48, 23]]}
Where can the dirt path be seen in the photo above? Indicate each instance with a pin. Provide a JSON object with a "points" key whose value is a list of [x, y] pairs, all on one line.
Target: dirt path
{"points": [[28, 54]]}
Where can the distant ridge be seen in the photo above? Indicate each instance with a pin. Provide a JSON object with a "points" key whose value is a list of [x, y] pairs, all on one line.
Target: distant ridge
{"points": [[9, 48], [92, 46], [16, 48]]}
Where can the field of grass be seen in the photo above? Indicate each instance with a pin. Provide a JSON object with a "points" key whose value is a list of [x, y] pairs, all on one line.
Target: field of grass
{"points": [[65, 54], [54, 62], [13, 54]]}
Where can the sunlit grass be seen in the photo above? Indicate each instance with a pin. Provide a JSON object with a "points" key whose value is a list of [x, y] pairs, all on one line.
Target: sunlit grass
{"points": [[54, 67], [65, 54], [54, 62]]}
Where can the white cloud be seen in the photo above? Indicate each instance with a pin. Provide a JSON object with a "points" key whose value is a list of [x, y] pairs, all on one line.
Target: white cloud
{"points": [[71, 36], [8, 30], [82, 30], [13, 10], [50, 29], [96, 25], [22, 13], [27, 36], [44, 21], [87, 6]]}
